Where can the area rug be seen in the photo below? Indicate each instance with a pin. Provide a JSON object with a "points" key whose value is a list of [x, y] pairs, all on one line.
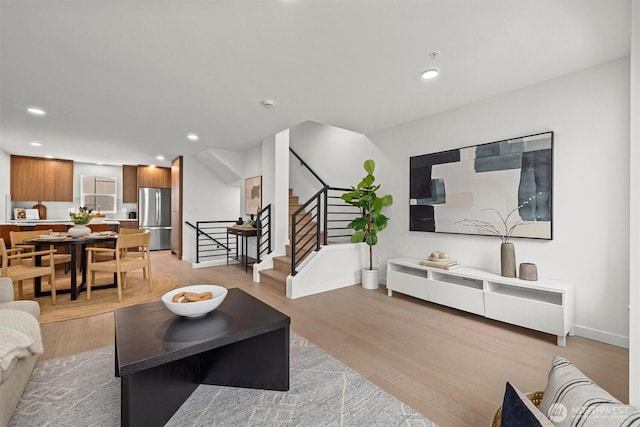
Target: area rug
{"points": [[81, 390], [105, 300]]}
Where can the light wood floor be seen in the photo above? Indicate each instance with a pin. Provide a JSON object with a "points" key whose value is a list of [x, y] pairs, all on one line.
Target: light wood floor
{"points": [[449, 365]]}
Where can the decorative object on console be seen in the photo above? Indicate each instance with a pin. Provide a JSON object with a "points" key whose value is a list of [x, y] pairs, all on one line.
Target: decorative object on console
{"points": [[445, 264], [371, 221], [450, 186], [504, 231], [507, 259], [528, 271]]}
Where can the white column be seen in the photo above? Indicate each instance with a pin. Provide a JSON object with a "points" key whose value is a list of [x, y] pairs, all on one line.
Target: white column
{"points": [[634, 202]]}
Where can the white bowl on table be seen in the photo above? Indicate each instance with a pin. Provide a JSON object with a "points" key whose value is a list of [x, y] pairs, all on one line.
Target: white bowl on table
{"points": [[198, 308]]}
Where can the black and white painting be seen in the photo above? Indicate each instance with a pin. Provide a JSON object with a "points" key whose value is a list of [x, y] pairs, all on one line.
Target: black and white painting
{"points": [[485, 182]]}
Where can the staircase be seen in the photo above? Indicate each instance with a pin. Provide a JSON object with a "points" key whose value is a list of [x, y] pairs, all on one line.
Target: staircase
{"points": [[277, 276]]}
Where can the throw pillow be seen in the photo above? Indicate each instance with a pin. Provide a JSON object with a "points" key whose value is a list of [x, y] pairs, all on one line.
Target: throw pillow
{"points": [[572, 399], [519, 411]]}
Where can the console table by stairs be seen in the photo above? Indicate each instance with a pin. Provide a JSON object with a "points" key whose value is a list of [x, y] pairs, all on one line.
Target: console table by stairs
{"points": [[543, 305]]}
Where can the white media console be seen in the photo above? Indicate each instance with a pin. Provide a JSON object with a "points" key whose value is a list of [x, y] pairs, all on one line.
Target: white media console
{"points": [[542, 305]]}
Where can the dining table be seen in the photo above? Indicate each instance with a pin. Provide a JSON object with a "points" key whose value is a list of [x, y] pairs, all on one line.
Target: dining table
{"points": [[77, 244]]}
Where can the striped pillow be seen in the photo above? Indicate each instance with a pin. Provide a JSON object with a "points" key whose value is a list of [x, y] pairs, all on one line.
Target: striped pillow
{"points": [[572, 399]]}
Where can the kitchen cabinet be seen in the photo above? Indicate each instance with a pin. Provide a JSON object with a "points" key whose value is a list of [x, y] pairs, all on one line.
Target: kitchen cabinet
{"points": [[176, 206], [39, 179], [154, 176], [129, 184], [58, 180]]}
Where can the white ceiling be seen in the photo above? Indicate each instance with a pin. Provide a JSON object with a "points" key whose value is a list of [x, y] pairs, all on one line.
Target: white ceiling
{"points": [[124, 81]]}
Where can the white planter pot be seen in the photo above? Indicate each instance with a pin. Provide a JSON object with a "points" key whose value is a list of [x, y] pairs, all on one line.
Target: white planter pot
{"points": [[370, 278]]}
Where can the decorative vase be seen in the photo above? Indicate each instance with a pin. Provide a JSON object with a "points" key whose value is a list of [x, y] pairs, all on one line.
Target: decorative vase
{"points": [[370, 278], [507, 260], [528, 271], [78, 230]]}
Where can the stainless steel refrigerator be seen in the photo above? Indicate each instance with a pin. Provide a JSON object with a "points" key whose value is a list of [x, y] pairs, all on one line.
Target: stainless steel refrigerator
{"points": [[154, 214]]}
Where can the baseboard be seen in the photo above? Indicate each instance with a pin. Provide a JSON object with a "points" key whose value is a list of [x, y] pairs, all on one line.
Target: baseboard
{"points": [[206, 264], [601, 336]]}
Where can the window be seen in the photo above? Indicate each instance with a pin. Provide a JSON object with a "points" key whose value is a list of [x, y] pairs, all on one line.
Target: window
{"points": [[98, 193]]}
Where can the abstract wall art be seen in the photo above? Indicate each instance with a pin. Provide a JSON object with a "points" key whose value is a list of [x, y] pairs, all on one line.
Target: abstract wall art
{"points": [[484, 183], [252, 195]]}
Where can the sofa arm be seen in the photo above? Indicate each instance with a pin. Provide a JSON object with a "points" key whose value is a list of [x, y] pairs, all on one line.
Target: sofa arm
{"points": [[6, 289]]}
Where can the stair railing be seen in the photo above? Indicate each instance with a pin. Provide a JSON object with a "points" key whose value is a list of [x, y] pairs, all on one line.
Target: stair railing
{"points": [[211, 240], [327, 208], [263, 226], [331, 213], [305, 236]]}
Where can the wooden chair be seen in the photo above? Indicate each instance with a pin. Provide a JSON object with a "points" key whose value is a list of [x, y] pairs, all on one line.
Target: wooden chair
{"points": [[122, 263], [57, 228], [18, 238], [133, 252], [14, 267], [6, 229], [96, 228]]}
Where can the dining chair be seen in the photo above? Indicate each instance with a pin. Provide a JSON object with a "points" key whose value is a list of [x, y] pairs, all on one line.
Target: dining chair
{"points": [[5, 229], [14, 267], [19, 237], [133, 252], [122, 263], [57, 228], [96, 228]]}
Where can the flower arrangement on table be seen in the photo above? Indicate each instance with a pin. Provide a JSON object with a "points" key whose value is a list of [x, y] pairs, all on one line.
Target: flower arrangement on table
{"points": [[83, 217]]}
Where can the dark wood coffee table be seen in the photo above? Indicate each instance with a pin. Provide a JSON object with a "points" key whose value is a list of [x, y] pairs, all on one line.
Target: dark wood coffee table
{"points": [[162, 358]]}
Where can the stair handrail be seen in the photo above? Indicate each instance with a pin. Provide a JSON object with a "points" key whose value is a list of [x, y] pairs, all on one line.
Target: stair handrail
{"points": [[304, 164]]}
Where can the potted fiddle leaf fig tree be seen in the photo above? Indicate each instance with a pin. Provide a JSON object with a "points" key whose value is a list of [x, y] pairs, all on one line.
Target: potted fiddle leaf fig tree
{"points": [[371, 221]]}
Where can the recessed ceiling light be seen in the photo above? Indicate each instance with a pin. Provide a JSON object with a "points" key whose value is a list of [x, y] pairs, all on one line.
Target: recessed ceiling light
{"points": [[268, 103], [36, 111], [159, 157], [193, 136], [430, 73], [49, 156], [35, 144]]}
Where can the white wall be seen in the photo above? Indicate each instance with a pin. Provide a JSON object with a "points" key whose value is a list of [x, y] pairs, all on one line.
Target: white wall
{"points": [[634, 227], [5, 187], [252, 167], [589, 113], [205, 198], [335, 154]]}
